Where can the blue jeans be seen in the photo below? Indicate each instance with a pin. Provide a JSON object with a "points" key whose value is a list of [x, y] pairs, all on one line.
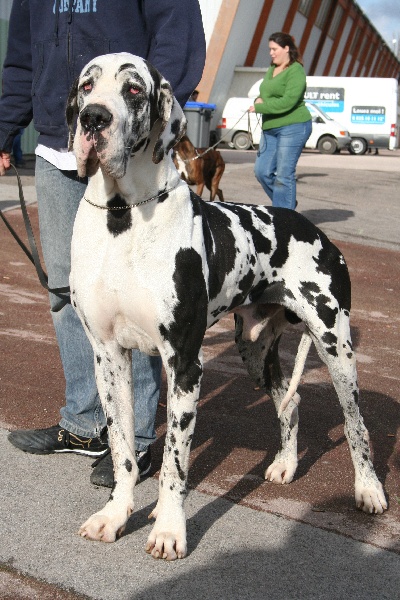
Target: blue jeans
{"points": [[59, 194], [276, 161]]}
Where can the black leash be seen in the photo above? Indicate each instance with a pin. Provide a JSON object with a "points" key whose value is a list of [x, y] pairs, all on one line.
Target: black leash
{"points": [[33, 255]]}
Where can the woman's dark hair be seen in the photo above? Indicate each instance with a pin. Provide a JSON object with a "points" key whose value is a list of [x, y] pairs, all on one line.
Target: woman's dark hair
{"points": [[284, 39]]}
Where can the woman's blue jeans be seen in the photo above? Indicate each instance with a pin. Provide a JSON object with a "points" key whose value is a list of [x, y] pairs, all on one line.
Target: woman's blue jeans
{"points": [[59, 194], [276, 162]]}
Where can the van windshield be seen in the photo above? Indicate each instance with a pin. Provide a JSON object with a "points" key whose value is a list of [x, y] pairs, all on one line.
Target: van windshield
{"points": [[316, 111]]}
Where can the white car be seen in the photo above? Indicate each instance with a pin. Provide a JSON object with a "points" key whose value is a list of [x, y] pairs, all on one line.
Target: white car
{"points": [[242, 130]]}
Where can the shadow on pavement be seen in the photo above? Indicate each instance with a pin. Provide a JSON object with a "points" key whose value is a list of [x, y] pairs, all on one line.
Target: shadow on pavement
{"points": [[294, 566], [327, 215]]}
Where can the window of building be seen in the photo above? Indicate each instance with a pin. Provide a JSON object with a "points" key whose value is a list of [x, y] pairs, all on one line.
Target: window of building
{"points": [[361, 53], [334, 26], [305, 7], [368, 52], [323, 13], [354, 43]]}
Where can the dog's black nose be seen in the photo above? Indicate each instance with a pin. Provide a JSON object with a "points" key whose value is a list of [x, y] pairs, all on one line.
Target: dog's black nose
{"points": [[95, 117]]}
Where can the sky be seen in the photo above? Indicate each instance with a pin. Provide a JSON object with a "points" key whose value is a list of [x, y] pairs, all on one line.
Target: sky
{"points": [[385, 17]]}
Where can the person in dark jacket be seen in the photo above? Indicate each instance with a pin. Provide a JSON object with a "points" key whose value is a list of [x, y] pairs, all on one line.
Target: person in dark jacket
{"points": [[49, 43]]}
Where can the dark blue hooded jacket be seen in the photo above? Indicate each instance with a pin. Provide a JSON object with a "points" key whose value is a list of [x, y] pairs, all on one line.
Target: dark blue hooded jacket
{"points": [[50, 41]]}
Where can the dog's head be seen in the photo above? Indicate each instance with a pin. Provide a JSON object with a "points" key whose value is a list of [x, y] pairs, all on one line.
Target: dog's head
{"points": [[115, 103]]}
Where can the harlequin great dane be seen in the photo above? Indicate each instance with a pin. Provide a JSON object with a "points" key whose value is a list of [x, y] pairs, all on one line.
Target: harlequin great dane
{"points": [[153, 266]]}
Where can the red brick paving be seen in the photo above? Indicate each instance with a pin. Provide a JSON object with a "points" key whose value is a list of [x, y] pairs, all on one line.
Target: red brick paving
{"points": [[237, 432]]}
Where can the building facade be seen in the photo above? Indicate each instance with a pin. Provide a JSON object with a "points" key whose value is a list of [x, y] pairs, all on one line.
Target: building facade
{"points": [[334, 37]]}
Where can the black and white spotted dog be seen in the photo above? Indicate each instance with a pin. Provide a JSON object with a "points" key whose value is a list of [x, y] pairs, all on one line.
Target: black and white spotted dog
{"points": [[153, 266]]}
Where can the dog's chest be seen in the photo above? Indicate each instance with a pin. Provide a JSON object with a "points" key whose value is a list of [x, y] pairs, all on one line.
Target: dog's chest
{"points": [[122, 284]]}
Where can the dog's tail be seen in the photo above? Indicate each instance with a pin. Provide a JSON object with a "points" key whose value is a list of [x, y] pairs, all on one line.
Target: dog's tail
{"points": [[302, 352]]}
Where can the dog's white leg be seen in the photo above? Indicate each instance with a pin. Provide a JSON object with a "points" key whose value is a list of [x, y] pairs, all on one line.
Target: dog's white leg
{"points": [[114, 382], [168, 537], [340, 360], [262, 361]]}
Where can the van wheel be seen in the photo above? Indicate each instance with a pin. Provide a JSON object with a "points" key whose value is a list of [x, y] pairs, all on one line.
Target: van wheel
{"points": [[327, 145], [241, 140], [358, 146]]}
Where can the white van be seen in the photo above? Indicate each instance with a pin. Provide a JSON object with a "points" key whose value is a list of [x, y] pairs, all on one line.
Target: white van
{"points": [[242, 130], [366, 106]]}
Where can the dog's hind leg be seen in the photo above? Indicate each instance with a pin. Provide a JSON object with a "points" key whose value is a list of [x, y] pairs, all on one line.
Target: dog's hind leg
{"points": [[262, 361], [114, 381], [216, 178], [335, 349]]}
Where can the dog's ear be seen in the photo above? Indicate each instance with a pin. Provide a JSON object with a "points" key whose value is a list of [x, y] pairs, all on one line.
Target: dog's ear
{"points": [[71, 112], [173, 122]]}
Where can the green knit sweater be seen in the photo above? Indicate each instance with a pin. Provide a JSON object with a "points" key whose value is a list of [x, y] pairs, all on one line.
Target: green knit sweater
{"points": [[283, 97]]}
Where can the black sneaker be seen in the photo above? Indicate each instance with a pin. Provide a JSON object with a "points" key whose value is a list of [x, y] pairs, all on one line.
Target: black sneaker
{"points": [[103, 470], [56, 439]]}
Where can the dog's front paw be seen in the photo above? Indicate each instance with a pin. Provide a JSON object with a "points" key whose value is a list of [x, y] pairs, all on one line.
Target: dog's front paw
{"points": [[282, 470], [168, 539], [99, 528], [104, 526], [370, 496]]}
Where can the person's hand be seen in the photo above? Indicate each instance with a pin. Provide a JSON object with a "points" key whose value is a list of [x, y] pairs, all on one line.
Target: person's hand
{"points": [[256, 101], [5, 162]]}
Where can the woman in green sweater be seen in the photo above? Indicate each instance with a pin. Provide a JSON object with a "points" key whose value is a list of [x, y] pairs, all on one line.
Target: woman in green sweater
{"points": [[286, 121]]}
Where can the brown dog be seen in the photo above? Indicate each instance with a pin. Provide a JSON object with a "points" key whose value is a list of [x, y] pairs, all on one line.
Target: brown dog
{"points": [[199, 169]]}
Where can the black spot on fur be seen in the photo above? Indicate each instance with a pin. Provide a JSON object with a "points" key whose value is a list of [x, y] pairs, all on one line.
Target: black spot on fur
{"points": [[325, 313], [186, 332], [118, 221], [98, 359], [245, 287], [179, 469], [139, 146], [292, 317], [186, 420], [329, 338], [262, 244], [109, 421], [158, 152], [332, 350], [128, 465], [309, 289], [219, 242], [163, 197], [287, 224]]}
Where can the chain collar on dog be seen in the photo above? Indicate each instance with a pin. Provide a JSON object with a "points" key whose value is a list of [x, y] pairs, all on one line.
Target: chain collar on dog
{"points": [[127, 206]]}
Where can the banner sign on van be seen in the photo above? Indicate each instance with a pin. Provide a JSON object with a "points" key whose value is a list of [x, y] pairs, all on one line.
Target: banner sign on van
{"points": [[329, 99], [373, 115]]}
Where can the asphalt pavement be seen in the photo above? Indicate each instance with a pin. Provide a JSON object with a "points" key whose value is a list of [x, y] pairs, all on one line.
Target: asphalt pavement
{"points": [[246, 538]]}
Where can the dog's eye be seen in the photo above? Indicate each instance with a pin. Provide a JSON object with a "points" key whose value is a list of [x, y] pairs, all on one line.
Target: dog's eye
{"points": [[87, 87], [134, 90]]}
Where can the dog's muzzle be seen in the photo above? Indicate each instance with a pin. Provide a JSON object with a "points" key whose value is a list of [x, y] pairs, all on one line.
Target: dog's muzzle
{"points": [[95, 117]]}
